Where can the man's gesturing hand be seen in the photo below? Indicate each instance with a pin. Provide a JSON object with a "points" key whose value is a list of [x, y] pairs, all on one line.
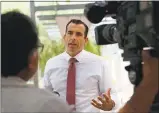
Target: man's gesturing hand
{"points": [[107, 102]]}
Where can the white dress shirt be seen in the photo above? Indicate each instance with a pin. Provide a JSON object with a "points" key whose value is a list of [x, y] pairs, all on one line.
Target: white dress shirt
{"points": [[123, 85], [19, 97], [92, 78]]}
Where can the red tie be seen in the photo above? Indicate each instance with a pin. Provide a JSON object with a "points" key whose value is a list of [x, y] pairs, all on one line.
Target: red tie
{"points": [[71, 85]]}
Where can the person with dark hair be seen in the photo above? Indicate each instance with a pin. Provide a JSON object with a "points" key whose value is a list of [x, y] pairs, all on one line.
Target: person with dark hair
{"points": [[79, 75], [19, 57]]}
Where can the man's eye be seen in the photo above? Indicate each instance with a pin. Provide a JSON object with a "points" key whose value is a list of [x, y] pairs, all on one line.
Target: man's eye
{"points": [[79, 34], [69, 33]]}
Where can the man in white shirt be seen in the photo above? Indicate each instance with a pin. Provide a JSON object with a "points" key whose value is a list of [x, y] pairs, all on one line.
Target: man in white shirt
{"points": [[86, 77], [19, 63]]}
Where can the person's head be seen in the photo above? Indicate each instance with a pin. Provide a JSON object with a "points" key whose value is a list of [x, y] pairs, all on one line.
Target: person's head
{"points": [[75, 36], [19, 45]]}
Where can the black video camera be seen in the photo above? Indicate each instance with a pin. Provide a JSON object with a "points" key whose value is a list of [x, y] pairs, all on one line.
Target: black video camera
{"points": [[137, 27]]}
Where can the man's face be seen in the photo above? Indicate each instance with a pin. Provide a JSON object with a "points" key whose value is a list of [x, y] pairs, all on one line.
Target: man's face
{"points": [[75, 38]]}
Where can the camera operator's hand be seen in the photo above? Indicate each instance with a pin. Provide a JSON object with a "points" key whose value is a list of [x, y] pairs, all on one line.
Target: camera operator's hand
{"points": [[150, 69], [106, 103], [143, 97]]}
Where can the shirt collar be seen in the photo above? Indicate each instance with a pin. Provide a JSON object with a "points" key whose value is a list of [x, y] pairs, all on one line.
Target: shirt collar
{"points": [[13, 82], [79, 56]]}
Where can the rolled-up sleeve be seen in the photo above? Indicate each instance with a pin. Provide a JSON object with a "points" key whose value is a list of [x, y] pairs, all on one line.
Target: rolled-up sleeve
{"points": [[107, 81], [46, 78]]}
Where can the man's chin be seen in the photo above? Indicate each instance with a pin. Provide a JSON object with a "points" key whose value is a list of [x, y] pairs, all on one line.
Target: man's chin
{"points": [[72, 52], [73, 49]]}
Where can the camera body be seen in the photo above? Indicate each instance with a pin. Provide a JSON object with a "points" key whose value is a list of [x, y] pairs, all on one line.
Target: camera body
{"points": [[137, 28]]}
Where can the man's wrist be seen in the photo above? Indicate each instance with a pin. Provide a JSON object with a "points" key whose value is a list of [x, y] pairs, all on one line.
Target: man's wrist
{"points": [[113, 104]]}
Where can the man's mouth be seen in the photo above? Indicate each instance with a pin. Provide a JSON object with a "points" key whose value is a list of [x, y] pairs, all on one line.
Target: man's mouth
{"points": [[71, 44]]}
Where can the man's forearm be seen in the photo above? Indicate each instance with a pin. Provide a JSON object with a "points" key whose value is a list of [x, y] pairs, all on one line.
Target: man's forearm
{"points": [[141, 102]]}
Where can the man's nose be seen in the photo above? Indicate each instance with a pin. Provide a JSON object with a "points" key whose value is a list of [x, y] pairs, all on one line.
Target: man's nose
{"points": [[73, 37]]}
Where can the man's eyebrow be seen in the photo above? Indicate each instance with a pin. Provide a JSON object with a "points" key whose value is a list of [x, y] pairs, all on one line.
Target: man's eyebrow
{"points": [[69, 31], [79, 33]]}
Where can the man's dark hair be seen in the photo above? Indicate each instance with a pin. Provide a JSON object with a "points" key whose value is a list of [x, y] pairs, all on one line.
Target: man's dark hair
{"points": [[19, 37], [76, 21]]}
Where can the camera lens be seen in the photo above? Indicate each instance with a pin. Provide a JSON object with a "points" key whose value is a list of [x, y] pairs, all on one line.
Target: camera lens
{"points": [[110, 33], [95, 12]]}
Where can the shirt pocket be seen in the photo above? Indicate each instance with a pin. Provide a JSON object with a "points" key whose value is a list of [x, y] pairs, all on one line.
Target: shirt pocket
{"points": [[90, 82], [58, 79]]}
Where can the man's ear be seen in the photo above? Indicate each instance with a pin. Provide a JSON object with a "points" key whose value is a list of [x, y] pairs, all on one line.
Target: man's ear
{"points": [[86, 40], [33, 62]]}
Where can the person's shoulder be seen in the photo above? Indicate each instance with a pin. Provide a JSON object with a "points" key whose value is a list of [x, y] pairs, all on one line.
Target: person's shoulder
{"points": [[94, 57], [51, 102], [55, 61], [32, 99], [56, 58]]}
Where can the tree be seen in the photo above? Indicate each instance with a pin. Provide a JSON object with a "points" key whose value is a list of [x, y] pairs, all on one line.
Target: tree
{"points": [[92, 47], [51, 49]]}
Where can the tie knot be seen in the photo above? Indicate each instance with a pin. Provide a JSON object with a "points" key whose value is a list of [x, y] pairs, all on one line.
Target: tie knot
{"points": [[73, 60]]}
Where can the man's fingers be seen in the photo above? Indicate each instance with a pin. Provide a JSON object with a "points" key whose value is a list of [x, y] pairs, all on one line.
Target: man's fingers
{"points": [[145, 55], [95, 105], [147, 58], [108, 92], [98, 104], [101, 99], [150, 66], [106, 98]]}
